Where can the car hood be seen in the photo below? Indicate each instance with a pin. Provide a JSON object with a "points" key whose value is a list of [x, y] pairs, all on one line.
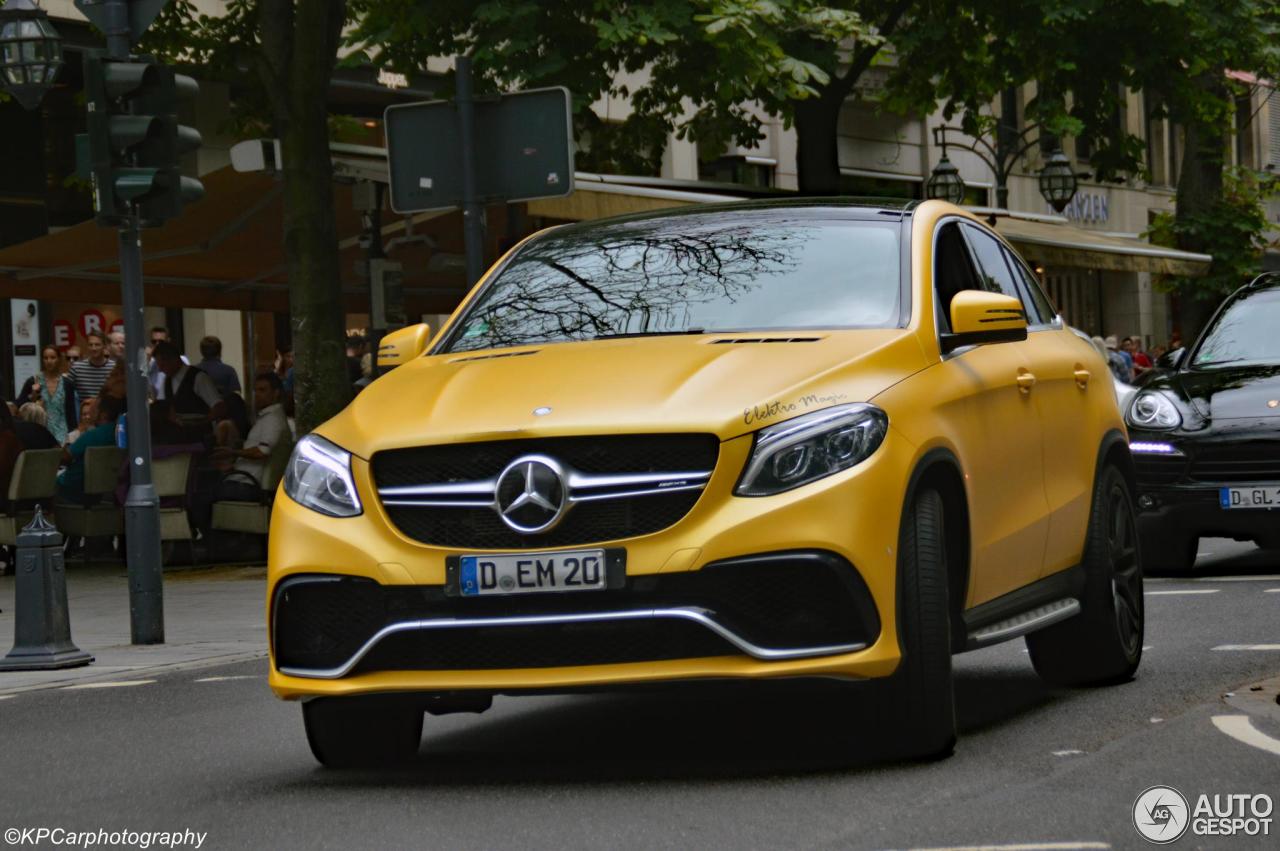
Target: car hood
{"points": [[1228, 393], [722, 384]]}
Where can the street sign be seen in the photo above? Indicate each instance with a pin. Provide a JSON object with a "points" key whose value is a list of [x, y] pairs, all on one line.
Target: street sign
{"points": [[523, 150], [141, 14]]}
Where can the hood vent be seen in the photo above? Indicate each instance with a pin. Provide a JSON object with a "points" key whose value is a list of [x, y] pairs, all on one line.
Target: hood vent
{"points": [[735, 340], [499, 355]]}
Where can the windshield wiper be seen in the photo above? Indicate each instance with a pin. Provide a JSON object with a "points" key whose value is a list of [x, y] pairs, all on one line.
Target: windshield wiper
{"points": [[649, 334]]}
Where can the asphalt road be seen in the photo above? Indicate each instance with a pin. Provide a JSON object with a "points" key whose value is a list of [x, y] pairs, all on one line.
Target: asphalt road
{"points": [[1037, 767]]}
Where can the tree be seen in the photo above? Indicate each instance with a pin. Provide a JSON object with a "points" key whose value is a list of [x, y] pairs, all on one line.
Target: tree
{"points": [[281, 54], [708, 69]]}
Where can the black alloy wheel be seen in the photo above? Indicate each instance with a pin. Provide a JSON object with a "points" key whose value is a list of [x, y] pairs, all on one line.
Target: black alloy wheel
{"points": [[1103, 644]]}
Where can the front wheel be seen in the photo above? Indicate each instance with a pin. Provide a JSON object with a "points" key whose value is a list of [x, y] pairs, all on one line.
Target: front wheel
{"points": [[923, 701], [1103, 644], [362, 732]]}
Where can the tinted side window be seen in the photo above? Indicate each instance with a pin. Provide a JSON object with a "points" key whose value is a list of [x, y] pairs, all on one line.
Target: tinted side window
{"points": [[988, 253], [952, 271], [1039, 300]]}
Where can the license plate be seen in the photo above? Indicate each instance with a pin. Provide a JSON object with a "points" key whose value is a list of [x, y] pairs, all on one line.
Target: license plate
{"points": [[532, 573], [1258, 496]]}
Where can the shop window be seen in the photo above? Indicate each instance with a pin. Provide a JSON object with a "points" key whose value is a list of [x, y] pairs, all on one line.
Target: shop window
{"points": [[1273, 126], [1157, 141], [1244, 132]]}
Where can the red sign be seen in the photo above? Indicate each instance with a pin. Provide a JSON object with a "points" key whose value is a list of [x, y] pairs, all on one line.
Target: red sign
{"points": [[91, 320], [64, 336], [118, 325]]}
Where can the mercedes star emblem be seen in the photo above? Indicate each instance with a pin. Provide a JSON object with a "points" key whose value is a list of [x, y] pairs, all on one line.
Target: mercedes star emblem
{"points": [[532, 495]]}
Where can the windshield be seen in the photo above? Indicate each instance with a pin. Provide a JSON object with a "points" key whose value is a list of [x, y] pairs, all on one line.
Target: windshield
{"points": [[691, 273], [1245, 333]]}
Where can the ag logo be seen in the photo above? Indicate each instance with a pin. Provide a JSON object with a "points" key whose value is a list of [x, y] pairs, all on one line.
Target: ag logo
{"points": [[1161, 814]]}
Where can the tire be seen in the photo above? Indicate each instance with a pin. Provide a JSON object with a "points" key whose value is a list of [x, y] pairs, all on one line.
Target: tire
{"points": [[922, 699], [362, 732], [1169, 551], [1103, 644]]}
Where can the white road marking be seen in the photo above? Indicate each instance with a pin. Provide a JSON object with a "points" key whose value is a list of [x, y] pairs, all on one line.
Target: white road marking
{"points": [[1271, 591], [1028, 846], [114, 684], [5, 696], [1240, 728], [1269, 577], [1147, 646], [1067, 753], [225, 679], [1182, 591], [1247, 647]]}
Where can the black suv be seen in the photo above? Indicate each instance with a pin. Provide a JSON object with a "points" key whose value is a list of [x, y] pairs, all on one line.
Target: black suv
{"points": [[1204, 430]]}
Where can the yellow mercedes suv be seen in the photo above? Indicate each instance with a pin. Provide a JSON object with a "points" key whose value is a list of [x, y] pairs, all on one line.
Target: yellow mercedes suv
{"points": [[804, 439]]}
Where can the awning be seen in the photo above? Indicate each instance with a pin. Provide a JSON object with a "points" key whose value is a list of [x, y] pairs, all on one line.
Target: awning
{"points": [[1064, 245], [227, 251]]}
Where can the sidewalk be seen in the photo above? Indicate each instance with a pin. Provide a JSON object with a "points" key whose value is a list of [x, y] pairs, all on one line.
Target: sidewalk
{"points": [[211, 616]]}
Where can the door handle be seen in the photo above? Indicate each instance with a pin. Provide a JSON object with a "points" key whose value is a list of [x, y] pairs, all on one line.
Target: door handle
{"points": [[1026, 380], [1082, 377]]}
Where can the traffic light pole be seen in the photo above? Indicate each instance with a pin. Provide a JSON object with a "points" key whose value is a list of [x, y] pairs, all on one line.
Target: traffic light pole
{"points": [[141, 506]]}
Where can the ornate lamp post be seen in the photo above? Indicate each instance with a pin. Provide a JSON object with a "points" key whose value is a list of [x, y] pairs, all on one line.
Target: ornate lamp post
{"points": [[945, 183], [30, 52], [1058, 181]]}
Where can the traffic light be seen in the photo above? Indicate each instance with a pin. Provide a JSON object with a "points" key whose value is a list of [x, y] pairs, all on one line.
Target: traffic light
{"points": [[135, 142]]}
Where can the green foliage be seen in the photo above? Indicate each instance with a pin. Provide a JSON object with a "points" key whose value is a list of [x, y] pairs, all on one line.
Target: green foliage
{"points": [[1232, 229], [695, 65]]}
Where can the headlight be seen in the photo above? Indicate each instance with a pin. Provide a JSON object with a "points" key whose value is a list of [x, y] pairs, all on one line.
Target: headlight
{"points": [[319, 477], [1153, 410], [802, 450]]}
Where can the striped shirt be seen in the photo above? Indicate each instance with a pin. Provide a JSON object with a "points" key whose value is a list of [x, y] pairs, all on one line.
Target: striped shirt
{"points": [[89, 378]]}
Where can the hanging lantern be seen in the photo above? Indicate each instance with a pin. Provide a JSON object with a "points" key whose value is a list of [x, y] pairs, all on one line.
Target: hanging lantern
{"points": [[30, 52], [945, 184], [1058, 181]]}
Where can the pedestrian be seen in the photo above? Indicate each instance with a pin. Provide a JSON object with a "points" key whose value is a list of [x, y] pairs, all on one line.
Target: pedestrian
{"points": [[159, 334], [1119, 367], [1142, 362], [32, 429], [248, 476], [73, 354], [194, 403], [115, 345], [1175, 341], [10, 447], [91, 372], [356, 348], [54, 390], [223, 376], [103, 433], [88, 410]]}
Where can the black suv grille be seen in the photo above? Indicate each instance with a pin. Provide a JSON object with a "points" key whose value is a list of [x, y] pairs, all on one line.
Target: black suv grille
{"points": [[588, 522], [1243, 462], [1158, 469], [782, 600]]}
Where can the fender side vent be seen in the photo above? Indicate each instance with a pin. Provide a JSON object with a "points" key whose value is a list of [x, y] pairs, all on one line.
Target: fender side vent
{"points": [[736, 340], [500, 355]]}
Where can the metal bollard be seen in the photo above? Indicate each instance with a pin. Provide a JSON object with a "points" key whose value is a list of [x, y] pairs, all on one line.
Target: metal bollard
{"points": [[41, 625]]}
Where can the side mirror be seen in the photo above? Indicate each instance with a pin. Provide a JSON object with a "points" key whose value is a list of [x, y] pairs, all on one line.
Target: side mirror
{"points": [[1170, 360], [404, 345], [979, 317]]}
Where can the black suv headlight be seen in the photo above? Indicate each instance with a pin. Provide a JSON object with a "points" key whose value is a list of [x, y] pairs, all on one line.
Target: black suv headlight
{"points": [[1153, 410], [319, 477], [807, 448]]}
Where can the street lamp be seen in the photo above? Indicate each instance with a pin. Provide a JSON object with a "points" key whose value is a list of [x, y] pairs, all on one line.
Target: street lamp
{"points": [[30, 52], [1058, 181], [945, 184]]}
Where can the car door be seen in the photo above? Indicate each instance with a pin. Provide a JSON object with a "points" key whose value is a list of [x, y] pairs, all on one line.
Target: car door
{"points": [[1067, 377], [998, 429]]}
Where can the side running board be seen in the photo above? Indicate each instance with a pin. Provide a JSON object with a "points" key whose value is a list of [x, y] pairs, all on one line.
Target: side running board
{"points": [[1021, 624]]}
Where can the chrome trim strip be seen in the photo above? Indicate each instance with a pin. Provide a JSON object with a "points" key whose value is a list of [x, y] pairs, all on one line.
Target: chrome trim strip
{"points": [[1017, 625], [698, 616], [483, 494], [593, 497], [583, 481]]}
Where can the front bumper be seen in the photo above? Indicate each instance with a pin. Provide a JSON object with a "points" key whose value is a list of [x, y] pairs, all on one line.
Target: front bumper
{"points": [[1178, 491], [850, 519]]}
